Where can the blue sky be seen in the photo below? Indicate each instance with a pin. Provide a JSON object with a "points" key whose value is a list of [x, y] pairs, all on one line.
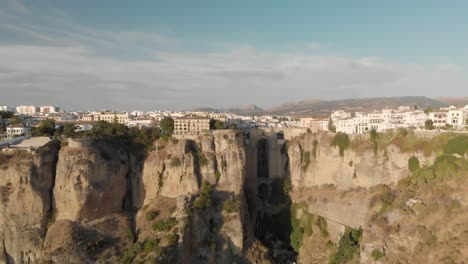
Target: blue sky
{"points": [[183, 54]]}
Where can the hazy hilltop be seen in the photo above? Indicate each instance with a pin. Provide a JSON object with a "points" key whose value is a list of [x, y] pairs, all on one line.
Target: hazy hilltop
{"points": [[317, 107], [455, 101]]}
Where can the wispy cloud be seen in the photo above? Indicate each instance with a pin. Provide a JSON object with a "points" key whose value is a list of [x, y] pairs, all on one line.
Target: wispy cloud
{"points": [[74, 77], [57, 61], [314, 46], [18, 7]]}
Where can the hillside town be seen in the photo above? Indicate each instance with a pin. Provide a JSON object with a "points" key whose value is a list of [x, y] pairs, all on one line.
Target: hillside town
{"points": [[19, 121]]}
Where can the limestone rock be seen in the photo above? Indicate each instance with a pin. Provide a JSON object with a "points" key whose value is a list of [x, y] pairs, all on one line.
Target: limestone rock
{"points": [[90, 182], [25, 187]]}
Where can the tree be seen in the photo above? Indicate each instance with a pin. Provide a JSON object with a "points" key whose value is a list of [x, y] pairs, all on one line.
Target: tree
{"points": [[6, 114], [331, 127], [45, 128], [216, 124], [68, 130], [413, 164], [428, 110], [167, 125], [16, 120], [429, 124]]}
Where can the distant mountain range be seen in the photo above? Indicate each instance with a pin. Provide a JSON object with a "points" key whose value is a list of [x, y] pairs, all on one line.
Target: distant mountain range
{"points": [[324, 107]]}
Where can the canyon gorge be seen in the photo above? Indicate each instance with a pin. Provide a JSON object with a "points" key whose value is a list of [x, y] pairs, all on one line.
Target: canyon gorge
{"points": [[259, 196]]}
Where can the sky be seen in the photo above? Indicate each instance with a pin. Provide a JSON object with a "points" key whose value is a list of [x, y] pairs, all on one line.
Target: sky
{"points": [[151, 54]]}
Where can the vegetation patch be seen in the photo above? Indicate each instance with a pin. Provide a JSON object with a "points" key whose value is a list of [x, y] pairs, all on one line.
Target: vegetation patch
{"points": [[314, 150], [302, 224], [341, 140], [348, 247], [175, 162], [457, 145], [377, 254], [231, 205], [204, 199], [413, 164], [164, 225], [305, 160], [217, 175], [151, 215]]}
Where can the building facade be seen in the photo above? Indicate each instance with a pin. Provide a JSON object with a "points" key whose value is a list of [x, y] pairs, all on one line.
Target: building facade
{"points": [[191, 125], [27, 109]]}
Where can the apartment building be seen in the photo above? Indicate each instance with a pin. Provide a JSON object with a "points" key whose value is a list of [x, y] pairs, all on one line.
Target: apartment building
{"points": [[191, 124], [439, 117], [119, 117], [315, 124], [18, 130], [457, 117], [27, 109], [5, 108], [48, 109]]}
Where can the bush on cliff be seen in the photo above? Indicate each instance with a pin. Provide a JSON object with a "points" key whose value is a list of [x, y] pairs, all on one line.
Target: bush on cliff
{"points": [[413, 163], [164, 225], [175, 162], [341, 140], [204, 196], [457, 145], [348, 246]]}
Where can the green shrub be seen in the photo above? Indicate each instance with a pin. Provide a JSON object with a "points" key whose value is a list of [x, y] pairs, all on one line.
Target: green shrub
{"points": [[413, 164], [175, 162], [151, 215], [217, 175], [173, 239], [137, 247], [322, 224], [314, 150], [297, 235], [347, 247], [377, 254], [457, 145], [164, 225], [150, 245], [204, 196], [202, 160], [305, 160], [309, 131], [231, 206], [341, 140]]}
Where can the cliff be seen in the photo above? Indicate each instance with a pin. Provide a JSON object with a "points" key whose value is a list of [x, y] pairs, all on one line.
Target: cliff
{"points": [[270, 196], [26, 184]]}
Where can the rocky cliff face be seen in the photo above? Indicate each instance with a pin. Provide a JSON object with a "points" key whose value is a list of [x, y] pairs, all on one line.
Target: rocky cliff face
{"points": [[176, 171], [185, 201], [26, 184], [396, 214], [90, 203], [90, 182]]}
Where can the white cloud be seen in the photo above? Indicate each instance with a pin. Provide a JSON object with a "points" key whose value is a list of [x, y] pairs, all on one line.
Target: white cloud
{"points": [[314, 46], [18, 7], [73, 66], [73, 77]]}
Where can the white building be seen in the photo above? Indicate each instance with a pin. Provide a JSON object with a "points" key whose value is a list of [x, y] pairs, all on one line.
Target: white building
{"points": [[5, 108], [147, 122], [457, 117], [439, 117], [191, 124], [14, 131], [119, 117], [26, 109], [48, 109], [415, 118]]}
